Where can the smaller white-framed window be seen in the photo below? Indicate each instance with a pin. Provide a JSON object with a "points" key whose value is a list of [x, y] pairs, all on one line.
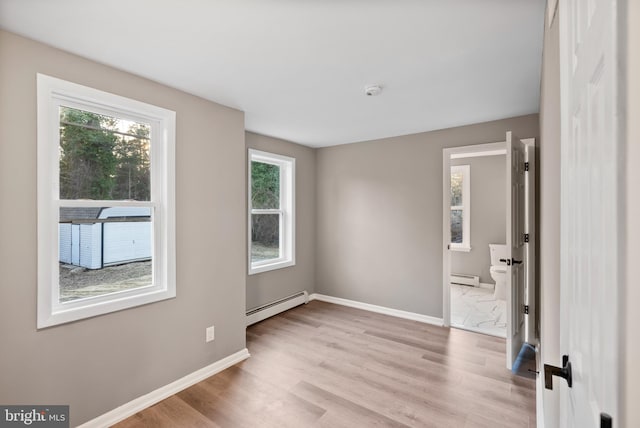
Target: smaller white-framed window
{"points": [[460, 218], [271, 216]]}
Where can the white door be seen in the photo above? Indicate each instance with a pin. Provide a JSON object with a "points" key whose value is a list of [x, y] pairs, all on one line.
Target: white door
{"points": [[530, 246], [516, 246], [590, 213], [126, 241]]}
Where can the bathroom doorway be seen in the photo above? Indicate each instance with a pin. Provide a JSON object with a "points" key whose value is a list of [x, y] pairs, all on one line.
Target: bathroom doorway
{"points": [[487, 265]]}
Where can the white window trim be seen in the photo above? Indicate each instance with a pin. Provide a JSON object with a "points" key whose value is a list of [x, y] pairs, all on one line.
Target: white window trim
{"points": [[51, 93], [287, 210], [465, 245]]}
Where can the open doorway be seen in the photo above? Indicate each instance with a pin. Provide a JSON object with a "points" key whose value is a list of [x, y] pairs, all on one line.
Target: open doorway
{"points": [[478, 214], [477, 224], [488, 240]]}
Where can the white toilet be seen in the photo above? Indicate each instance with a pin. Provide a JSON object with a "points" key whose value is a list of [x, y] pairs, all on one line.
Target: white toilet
{"points": [[498, 270]]}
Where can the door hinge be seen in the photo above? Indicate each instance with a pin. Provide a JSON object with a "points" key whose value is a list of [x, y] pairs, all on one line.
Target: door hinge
{"points": [[526, 237], [526, 166], [605, 421], [526, 309]]}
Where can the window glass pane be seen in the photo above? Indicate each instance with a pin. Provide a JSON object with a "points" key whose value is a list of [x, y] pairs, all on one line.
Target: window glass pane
{"points": [[265, 237], [456, 189], [103, 157], [265, 185], [456, 226], [103, 250]]}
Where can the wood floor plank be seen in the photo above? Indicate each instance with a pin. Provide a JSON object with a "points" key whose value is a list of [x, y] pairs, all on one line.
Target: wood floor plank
{"points": [[324, 365], [215, 405], [348, 411], [237, 398], [169, 413]]}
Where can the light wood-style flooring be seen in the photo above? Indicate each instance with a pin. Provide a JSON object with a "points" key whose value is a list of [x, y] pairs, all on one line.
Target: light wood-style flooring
{"points": [[324, 365]]}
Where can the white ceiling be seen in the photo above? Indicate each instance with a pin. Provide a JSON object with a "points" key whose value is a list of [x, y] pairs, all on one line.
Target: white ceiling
{"points": [[298, 68]]}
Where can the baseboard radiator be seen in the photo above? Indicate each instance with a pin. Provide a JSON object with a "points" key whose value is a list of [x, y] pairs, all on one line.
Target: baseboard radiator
{"points": [[464, 279], [270, 309]]}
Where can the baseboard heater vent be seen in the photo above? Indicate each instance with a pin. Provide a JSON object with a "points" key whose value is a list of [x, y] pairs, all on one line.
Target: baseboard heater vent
{"points": [[464, 279], [270, 309]]}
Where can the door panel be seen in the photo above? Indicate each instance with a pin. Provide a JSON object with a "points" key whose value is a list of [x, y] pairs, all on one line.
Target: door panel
{"points": [[589, 207], [529, 252], [516, 207]]}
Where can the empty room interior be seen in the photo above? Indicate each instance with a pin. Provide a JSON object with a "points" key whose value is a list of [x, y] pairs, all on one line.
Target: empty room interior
{"points": [[319, 214]]}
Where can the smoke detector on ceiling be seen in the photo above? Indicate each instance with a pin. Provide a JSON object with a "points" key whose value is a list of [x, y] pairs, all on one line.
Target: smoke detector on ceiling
{"points": [[373, 90]]}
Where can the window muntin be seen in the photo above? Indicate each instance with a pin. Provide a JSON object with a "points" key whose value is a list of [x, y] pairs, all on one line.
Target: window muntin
{"points": [[105, 202], [460, 208], [271, 211]]}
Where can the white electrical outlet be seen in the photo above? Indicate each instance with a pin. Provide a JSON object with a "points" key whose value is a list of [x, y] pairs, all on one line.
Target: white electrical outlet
{"points": [[211, 333]]}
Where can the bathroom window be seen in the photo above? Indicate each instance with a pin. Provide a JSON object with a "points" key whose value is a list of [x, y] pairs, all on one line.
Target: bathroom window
{"points": [[460, 208], [271, 211]]}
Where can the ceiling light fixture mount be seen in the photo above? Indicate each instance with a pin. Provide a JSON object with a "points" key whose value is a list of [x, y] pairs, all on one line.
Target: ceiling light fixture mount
{"points": [[373, 90]]}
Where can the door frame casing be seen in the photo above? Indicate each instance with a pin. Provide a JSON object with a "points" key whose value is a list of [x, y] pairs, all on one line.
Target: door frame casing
{"points": [[476, 150]]}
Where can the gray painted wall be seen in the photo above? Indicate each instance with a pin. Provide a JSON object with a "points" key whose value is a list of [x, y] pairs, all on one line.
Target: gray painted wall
{"points": [[97, 364], [379, 221], [488, 214], [549, 213], [267, 287]]}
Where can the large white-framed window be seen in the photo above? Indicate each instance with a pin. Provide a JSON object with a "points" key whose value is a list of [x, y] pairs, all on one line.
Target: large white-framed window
{"points": [[271, 217], [460, 208], [106, 202]]}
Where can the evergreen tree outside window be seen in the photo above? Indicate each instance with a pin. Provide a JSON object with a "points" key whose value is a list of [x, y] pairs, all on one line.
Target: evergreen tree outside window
{"points": [[271, 211]]}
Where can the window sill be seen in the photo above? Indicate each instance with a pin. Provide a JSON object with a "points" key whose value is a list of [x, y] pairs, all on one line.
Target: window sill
{"points": [[460, 248], [101, 305], [271, 266]]}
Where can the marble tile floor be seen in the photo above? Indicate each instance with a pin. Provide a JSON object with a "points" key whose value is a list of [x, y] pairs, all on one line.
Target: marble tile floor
{"points": [[475, 309]]}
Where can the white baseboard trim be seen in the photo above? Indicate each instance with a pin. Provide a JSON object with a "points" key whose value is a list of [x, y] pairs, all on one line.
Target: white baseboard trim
{"points": [[134, 406], [378, 309], [480, 285], [486, 285]]}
